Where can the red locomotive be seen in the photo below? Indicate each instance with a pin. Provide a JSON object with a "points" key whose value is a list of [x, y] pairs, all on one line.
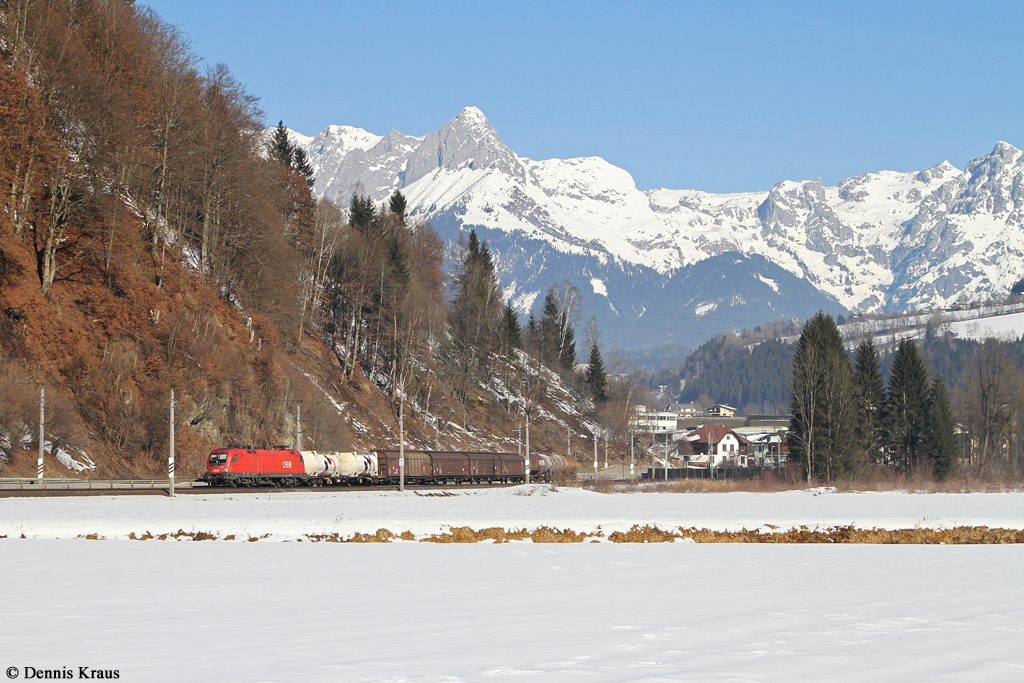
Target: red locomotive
{"points": [[255, 467]]}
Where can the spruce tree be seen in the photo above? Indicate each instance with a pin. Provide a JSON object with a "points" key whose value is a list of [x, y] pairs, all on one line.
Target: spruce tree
{"points": [[362, 213], [870, 401], [397, 205], [399, 261], [550, 348], [907, 405], [476, 311], [511, 331], [940, 435], [595, 377], [472, 246], [281, 148], [301, 164], [822, 401], [557, 336], [567, 350]]}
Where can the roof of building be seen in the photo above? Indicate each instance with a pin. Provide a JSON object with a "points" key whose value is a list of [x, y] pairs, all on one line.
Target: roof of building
{"points": [[715, 433]]}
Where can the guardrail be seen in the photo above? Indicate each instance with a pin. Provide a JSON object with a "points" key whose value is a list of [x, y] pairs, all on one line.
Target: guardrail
{"points": [[27, 484]]}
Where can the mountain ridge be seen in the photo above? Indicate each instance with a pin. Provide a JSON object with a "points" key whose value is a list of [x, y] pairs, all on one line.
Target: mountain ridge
{"points": [[885, 240]]}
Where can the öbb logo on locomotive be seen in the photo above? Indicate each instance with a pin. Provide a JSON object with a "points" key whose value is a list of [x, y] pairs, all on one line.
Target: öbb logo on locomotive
{"points": [[248, 466]]}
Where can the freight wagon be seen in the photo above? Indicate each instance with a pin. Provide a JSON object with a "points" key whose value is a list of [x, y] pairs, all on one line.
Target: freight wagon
{"points": [[234, 466]]}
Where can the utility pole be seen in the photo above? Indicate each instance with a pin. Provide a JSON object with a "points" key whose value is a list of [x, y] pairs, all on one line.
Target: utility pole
{"points": [[42, 424], [170, 456], [711, 454], [401, 445], [568, 443], [595, 454], [519, 442], [632, 469], [652, 448], [606, 449], [527, 448], [298, 426]]}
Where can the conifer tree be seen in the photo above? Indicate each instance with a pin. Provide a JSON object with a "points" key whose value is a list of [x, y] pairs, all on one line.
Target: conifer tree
{"points": [[557, 335], [595, 376], [870, 400], [907, 405], [396, 252], [547, 331], [476, 311], [511, 331], [301, 164], [362, 213], [822, 401], [281, 148], [567, 354], [397, 205], [940, 435]]}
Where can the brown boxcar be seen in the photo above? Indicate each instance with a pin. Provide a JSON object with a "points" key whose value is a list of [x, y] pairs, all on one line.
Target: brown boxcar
{"points": [[513, 466], [417, 466], [450, 465], [482, 466]]}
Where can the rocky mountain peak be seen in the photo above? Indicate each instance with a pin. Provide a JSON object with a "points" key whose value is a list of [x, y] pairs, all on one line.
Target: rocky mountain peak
{"points": [[472, 117], [994, 183], [467, 141]]}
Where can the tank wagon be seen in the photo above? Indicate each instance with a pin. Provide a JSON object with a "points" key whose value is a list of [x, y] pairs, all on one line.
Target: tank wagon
{"points": [[234, 466]]}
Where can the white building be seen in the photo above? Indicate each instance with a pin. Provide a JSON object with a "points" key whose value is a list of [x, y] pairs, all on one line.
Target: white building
{"points": [[657, 421]]}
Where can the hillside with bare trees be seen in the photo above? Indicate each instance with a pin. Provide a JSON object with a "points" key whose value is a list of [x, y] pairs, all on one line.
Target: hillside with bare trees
{"points": [[152, 238]]}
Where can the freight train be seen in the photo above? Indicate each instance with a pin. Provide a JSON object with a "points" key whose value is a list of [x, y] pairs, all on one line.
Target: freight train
{"points": [[246, 466]]}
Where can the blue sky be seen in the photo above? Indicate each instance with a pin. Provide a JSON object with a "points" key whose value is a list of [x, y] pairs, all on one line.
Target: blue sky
{"points": [[724, 97]]}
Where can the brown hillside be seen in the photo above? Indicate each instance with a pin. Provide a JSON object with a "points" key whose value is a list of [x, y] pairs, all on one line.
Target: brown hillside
{"points": [[151, 239]]}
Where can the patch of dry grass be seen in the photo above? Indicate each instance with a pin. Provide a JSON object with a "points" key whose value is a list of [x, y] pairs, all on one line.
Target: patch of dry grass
{"points": [[382, 536], [964, 535], [880, 480], [544, 534], [977, 535]]}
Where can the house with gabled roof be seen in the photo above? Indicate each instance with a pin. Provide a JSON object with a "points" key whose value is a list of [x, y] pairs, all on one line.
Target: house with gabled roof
{"points": [[721, 410], [715, 445]]}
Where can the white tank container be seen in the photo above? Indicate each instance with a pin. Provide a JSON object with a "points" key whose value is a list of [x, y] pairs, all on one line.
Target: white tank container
{"points": [[338, 465], [547, 464]]}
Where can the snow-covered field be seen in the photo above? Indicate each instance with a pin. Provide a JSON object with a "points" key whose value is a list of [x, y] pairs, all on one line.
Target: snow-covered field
{"points": [[1001, 327], [292, 515], [408, 611]]}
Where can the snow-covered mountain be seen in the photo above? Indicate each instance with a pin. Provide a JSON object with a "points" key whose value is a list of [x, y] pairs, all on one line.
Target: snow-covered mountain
{"points": [[681, 265]]}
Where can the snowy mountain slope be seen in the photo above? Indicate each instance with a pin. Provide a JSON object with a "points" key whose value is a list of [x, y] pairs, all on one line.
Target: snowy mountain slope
{"points": [[877, 241]]}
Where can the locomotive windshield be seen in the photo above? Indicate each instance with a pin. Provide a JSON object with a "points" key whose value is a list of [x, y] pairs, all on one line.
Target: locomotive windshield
{"points": [[218, 458]]}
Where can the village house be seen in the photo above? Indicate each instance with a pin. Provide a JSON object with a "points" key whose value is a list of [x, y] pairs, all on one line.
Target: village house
{"points": [[718, 446], [690, 410], [715, 446], [721, 410], [764, 448]]}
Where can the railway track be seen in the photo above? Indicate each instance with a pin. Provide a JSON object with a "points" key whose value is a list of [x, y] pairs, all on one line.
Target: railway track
{"points": [[98, 487]]}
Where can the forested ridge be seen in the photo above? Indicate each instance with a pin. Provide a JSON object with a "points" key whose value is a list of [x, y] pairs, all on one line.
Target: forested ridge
{"points": [[152, 237], [928, 409]]}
